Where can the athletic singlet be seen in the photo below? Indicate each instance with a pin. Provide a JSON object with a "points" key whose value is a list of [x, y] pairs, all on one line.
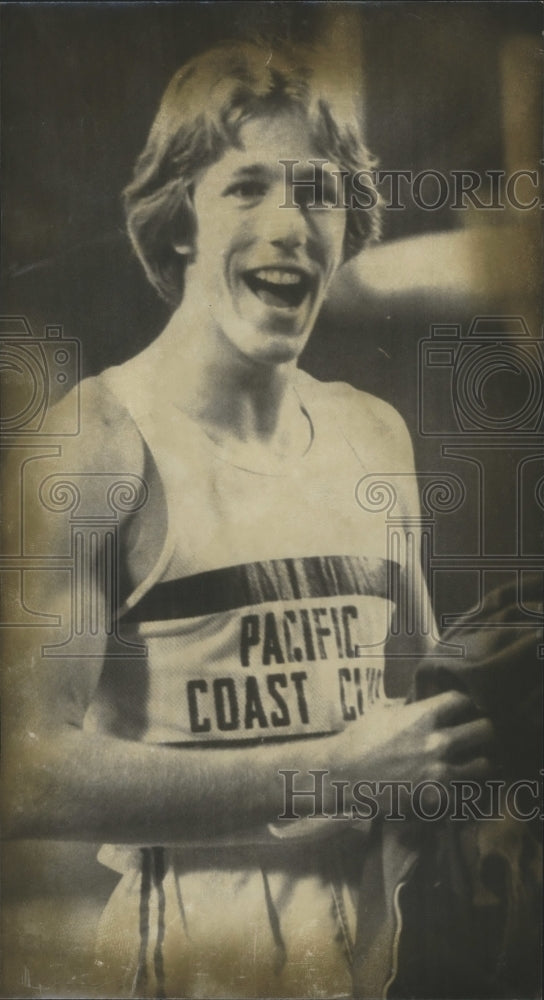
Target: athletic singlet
{"points": [[267, 611], [264, 618]]}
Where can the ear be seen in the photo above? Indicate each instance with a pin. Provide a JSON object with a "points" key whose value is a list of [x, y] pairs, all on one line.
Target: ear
{"points": [[183, 249]]}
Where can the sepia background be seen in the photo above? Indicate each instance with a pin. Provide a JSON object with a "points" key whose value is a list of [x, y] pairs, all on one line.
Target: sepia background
{"points": [[442, 86]]}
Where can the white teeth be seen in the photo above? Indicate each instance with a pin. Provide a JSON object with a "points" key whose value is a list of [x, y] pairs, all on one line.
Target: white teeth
{"points": [[278, 277]]}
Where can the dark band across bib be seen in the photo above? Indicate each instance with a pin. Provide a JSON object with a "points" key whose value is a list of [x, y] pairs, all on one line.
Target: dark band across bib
{"points": [[261, 582]]}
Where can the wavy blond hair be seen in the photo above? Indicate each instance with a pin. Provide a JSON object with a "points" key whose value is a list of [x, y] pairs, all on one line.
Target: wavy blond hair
{"points": [[201, 113]]}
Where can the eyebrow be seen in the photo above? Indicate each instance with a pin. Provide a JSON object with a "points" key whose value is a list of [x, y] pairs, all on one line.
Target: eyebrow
{"points": [[304, 170], [252, 169]]}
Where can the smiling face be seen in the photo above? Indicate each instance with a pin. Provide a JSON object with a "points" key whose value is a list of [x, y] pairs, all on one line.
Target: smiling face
{"points": [[261, 271]]}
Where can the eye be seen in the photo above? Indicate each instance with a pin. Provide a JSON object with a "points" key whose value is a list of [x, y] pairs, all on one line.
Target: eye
{"points": [[246, 190], [317, 193]]}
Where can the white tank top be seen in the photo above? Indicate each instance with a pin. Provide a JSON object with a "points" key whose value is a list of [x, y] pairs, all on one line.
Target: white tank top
{"points": [[266, 614]]}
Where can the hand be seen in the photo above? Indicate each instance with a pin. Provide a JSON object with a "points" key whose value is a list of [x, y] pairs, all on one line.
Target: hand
{"points": [[439, 739]]}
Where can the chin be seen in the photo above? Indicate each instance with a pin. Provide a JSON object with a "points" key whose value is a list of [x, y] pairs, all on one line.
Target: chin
{"points": [[280, 350]]}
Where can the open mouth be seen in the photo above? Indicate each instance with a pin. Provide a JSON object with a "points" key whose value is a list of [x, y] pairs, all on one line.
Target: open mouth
{"points": [[284, 288]]}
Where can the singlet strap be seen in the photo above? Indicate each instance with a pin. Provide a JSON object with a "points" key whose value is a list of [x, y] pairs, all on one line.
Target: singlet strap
{"points": [[125, 383]]}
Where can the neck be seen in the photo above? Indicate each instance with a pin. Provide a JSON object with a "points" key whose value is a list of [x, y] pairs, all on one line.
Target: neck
{"points": [[230, 395]]}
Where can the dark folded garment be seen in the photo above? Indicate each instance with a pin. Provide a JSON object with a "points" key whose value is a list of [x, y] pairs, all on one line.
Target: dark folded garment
{"points": [[501, 671]]}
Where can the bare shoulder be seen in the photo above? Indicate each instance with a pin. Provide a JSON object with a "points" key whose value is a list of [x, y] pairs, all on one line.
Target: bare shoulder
{"points": [[39, 480], [373, 425], [108, 439]]}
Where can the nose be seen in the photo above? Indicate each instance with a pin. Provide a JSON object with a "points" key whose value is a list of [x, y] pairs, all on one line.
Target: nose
{"points": [[291, 241], [288, 243], [285, 227]]}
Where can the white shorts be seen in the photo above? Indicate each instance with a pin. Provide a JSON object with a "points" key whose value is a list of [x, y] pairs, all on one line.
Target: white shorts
{"points": [[244, 921]]}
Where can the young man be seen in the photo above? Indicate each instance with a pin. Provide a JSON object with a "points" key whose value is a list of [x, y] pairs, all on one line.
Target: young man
{"points": [[261, 588]]}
